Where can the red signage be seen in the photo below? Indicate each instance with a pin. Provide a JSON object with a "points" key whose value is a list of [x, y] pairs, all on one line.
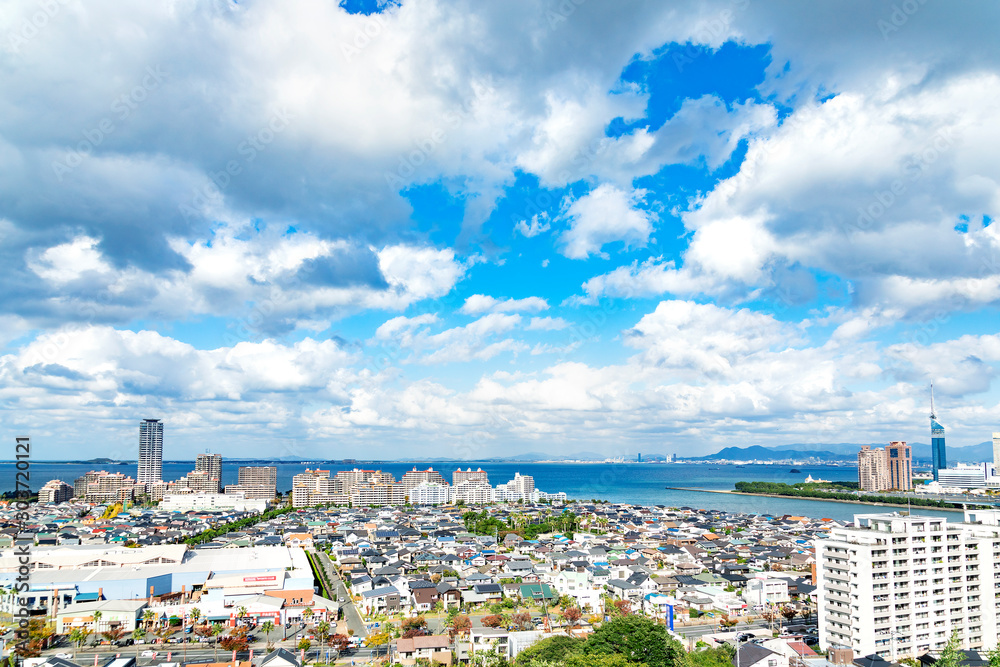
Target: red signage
{"points": [[271, 578]]}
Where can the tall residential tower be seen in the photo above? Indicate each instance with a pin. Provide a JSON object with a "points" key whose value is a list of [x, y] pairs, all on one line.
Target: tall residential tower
{"points": [[211, 464], [938, 457], [150, 451]]}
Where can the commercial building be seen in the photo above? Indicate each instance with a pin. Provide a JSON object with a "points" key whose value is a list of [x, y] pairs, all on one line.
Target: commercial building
{"points": [[211, 464], [150, 451], [55, 491], [900, 585], [996, 451], [762, 591], [967, 476]]}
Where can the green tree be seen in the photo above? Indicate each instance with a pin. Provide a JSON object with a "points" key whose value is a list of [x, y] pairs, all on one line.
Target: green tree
{"points": [[267, 627], [951, 655], [638, 639], [554, 649]]}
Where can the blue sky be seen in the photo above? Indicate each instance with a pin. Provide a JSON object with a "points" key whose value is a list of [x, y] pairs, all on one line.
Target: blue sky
{"points": [[433, 228]]}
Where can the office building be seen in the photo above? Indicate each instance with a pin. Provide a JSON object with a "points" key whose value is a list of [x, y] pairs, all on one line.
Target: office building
{"points": [[211, 464], [469, 474], [899, 459], [900, 585], [150, 451], [939, 459], [967, 476], [873, 469], [996, 452], [416, 477]]}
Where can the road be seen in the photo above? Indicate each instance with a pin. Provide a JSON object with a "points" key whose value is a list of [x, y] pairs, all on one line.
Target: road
{"points": [[709, 629], [351, 615]]}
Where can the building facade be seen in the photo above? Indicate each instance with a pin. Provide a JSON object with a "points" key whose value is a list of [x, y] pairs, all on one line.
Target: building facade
{"points": [[211, 464], [430, 493], [899, 459], [55, 491], [469, 475], [899, 585], [150, 451], [416, 477], [873, 470]]}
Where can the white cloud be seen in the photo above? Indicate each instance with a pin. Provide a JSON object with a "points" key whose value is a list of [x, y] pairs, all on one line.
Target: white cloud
{"points": [[547, 324], [605, 215], [481, 303], [530, 228]]}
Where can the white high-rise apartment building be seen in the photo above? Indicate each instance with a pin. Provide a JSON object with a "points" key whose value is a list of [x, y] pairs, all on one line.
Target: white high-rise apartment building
{"points": [[996, 452], [899, 585], [150, 451], [430, 493]]}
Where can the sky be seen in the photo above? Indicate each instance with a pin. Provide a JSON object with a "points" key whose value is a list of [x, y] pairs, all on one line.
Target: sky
{"points": [[453, 228]]}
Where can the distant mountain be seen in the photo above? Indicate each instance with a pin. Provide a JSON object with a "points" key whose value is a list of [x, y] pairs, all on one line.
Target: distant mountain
{"points": [[757, 452], [845, 451]]}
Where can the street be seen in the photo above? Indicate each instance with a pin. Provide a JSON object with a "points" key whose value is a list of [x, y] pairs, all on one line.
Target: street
{"points": [[351, 615]]}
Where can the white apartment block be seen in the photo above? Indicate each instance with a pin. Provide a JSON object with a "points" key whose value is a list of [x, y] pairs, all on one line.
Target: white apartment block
{"points": [[430, 493], [899, 585], [473, 492], [764, 591]]}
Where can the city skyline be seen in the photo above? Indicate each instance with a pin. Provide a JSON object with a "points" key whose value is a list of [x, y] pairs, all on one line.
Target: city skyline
{"points": [[368, 232]]}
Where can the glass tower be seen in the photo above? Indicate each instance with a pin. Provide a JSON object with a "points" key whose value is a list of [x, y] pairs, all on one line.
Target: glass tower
{"points": [[939, 460]]}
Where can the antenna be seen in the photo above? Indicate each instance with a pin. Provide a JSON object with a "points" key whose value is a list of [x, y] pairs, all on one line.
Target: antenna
{"points": [[932, 401]]}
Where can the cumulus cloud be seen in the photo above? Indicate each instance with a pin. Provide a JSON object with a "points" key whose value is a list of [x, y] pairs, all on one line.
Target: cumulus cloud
{"points": [[481, 303], [605, 215]]}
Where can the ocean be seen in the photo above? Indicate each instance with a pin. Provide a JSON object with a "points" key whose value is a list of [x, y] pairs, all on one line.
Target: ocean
{"points": [[635, 483]]}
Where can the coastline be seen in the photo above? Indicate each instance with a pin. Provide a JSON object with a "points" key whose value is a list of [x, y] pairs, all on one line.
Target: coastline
{"points": [[827, 500]]}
